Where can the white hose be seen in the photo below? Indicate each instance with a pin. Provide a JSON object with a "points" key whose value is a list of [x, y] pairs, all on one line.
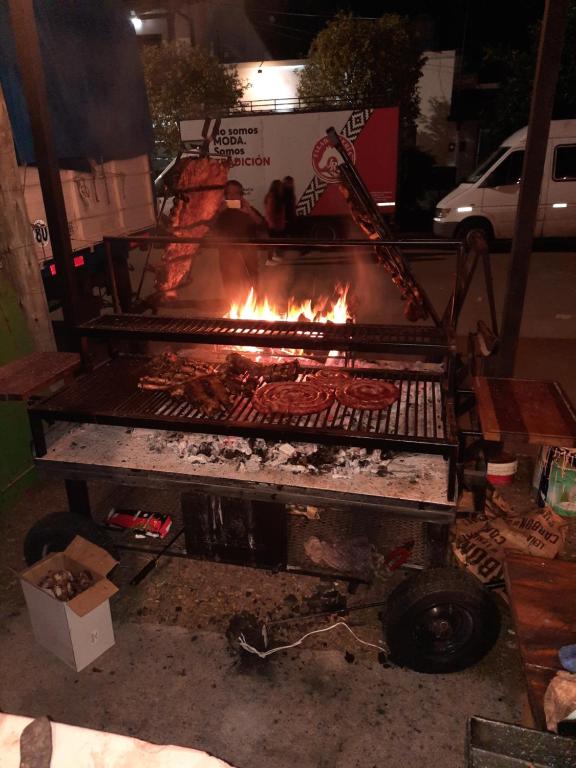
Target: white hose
{"points": [[263, 654]]}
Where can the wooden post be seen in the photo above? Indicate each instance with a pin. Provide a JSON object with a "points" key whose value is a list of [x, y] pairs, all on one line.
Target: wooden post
{"points": [[34, 86], [17, 251]]}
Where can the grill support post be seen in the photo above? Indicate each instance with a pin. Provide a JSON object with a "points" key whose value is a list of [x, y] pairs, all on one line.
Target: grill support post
{"points": [[112, 275], [78, 497], [437, 540], [38, 436]]}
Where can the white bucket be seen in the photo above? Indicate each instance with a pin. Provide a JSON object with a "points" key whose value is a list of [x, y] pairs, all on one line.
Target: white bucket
{"points": [[501, 472]]}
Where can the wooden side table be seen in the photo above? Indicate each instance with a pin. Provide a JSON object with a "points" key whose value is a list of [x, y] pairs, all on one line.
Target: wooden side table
{"points": [[536, 412], [34, 372], [542, 597]]}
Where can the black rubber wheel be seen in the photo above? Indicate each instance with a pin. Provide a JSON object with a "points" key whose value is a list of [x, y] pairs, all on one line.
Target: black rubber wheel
{"points": [[55, 531], [474, 224], [440, 621]]}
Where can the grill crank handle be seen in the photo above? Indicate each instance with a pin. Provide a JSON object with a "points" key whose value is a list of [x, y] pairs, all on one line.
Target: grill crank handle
{"points": [[151, 564]]}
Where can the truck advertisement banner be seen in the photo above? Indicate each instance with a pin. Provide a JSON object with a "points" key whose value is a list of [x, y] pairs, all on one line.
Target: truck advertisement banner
{"points": [[267, 147]]}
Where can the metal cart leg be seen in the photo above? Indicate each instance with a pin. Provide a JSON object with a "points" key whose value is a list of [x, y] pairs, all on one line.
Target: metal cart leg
{"points": [[78, 497], [38, 436], [437, 540]]}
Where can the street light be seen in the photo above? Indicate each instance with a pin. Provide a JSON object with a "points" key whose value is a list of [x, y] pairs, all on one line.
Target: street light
{"points": [[136, 21]]}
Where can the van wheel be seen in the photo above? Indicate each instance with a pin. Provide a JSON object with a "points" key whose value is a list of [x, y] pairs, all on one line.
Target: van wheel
{"points": [[474, 224]]}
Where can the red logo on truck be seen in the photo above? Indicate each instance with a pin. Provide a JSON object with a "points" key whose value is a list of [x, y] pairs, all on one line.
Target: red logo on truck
{"points": [[325, 158]]}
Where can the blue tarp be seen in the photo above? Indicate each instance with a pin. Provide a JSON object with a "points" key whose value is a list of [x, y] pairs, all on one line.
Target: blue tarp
{"points": [[93, 78]]}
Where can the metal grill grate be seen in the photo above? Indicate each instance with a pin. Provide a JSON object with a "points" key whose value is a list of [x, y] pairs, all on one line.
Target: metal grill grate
{"points": [[110, 395], [261, 333]]}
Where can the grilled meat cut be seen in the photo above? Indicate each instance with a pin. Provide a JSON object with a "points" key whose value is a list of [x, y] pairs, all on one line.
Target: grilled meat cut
{"points": [[273, 372], [388, 256], [330, 377], [212, 388], [208, 393], [294, 398], [170, 372], [198, 187], [368, 394]]}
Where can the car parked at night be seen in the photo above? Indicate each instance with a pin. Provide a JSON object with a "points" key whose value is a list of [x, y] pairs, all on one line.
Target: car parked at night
{"points": [[487, 200]]}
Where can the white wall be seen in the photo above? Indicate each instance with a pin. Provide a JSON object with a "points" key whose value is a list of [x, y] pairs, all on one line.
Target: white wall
{"points": [[152, 27], [275, 80]]}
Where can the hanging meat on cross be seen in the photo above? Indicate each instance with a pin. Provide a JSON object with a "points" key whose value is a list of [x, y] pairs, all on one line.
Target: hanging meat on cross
{"points": [[198, 187], [388, 256]]}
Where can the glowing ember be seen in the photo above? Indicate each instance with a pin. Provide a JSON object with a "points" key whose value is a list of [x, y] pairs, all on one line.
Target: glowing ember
{"points": [[323, 311]]}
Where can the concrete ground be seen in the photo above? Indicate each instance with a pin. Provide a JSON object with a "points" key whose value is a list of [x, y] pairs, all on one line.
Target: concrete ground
{"points": [[173, 676], [309, 708]]}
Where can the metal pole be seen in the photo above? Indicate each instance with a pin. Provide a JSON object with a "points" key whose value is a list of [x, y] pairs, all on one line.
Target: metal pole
{"points": [[32, 73], [112, 276], [544, 89]]}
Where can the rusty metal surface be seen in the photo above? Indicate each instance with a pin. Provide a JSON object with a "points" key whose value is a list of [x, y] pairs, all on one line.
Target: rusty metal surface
{"points": [[492, 744]]}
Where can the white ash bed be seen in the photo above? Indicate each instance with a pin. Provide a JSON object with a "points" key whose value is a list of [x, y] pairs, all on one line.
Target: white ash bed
{"points": [[245, 467]]}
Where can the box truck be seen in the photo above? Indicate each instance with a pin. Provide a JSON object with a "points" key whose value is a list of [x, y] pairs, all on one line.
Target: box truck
{"points": [[264, 147], [488, 199], [101, 130]]}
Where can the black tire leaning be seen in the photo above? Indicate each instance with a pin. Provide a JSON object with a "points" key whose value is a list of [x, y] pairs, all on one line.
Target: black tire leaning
{"points": [[55, 531]]}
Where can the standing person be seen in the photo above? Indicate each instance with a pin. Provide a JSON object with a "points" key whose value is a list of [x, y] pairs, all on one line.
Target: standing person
{"points": [[238, 219], [289, 195], [275, 215]]}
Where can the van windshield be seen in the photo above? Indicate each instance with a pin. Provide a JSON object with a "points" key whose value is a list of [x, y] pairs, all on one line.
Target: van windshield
{"points": [[483, 167]]}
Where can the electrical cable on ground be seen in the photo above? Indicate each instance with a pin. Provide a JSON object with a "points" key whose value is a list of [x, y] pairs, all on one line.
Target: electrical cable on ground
{"points": [[263, 654]]}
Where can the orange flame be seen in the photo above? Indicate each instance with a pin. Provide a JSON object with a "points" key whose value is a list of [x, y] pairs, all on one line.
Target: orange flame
{"points": [[323, 311]]}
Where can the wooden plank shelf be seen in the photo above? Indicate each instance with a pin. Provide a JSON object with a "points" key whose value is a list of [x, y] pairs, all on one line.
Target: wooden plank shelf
{"points": [[35, 372], [536, 412]]}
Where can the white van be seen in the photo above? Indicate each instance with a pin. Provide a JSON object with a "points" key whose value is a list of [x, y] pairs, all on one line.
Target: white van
{"points": [[488, 198]]}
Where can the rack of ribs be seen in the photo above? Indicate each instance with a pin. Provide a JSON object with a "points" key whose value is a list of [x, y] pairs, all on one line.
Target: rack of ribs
{"points": [[198, 187]]}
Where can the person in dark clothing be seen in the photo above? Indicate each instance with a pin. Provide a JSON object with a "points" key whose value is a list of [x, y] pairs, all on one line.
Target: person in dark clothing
{"points": [[238, 219], [275, 217], [289, 197], [274, 209]]}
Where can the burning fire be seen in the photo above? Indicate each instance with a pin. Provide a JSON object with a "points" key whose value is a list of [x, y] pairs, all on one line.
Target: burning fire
{"points": [[324, 310]]}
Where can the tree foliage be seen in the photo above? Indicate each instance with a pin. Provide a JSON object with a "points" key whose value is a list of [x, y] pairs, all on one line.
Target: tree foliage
{"points": [[182, 81], [361, 61], [511, 108]]}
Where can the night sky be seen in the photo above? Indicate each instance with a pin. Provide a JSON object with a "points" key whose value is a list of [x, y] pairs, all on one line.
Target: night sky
{"points": [[288, 26]]}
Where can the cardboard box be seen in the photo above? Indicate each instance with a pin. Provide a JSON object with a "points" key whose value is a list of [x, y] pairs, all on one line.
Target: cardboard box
{"points": [[79, 630]]}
